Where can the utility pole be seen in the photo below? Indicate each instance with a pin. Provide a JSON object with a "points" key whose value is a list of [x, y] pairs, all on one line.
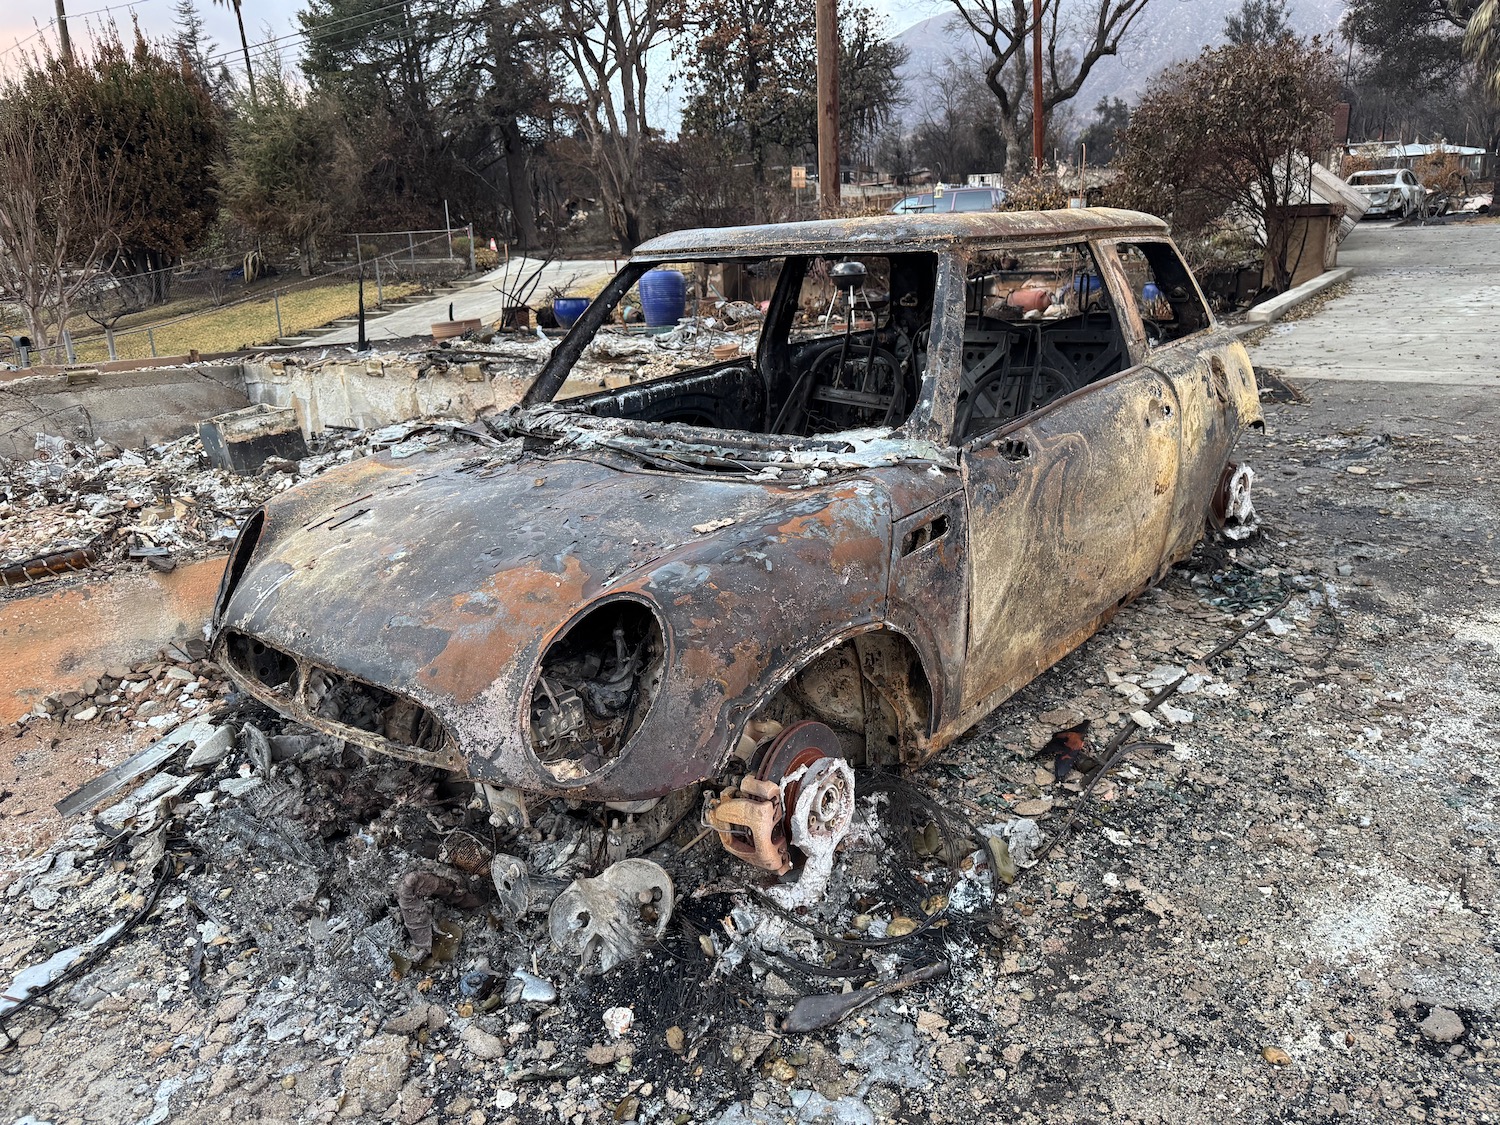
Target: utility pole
{"points": [[1037, 130], [62, 33], [829, 193]]}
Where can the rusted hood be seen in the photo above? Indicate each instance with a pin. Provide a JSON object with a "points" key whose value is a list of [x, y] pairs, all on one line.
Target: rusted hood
{"points": [[443, 573]]}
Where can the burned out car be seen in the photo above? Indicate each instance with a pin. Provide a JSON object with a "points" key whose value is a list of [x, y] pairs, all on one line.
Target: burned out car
{"points": [[960, 444]]}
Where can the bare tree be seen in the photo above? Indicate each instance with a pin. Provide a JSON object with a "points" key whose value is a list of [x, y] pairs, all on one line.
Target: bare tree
{"points": [[1070, 51], [59, 221], [606, 43]]}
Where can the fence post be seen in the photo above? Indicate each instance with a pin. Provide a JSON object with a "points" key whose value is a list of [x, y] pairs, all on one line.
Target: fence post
{"points": [[276, 299], [448, 228], [360, 256], [411, 245], [67, 339], [109, 341], [151, 339], [379, 293], [471, 248]]}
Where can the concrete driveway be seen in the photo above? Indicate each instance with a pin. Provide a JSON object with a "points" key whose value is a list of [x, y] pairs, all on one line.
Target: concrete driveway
{"points": [[485, 299], [1423, 306]]}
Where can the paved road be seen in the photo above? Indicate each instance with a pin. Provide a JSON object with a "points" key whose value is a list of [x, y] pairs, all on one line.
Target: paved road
{"points": [[484, 299], [1423, 306]]}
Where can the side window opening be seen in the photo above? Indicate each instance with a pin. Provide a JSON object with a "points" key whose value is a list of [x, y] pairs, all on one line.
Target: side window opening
{"points": [[1038, 324], [857, 345], [1163, 290], [799, 346]]}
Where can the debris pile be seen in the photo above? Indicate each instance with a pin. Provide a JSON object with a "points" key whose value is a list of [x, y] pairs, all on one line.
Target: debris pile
{"points": [[1156, 860], [77, 507], [157, 694]]}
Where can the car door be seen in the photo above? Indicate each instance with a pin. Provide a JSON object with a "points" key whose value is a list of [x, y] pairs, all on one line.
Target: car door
{"points": [[1208, 369], [1070, 506]]}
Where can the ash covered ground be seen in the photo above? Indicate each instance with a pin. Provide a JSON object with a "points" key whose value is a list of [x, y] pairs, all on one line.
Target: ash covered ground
{"points": [[1281, 910]]}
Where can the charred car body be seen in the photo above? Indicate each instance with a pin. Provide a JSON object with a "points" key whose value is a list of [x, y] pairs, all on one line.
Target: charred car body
{"points": [[961, 444]]}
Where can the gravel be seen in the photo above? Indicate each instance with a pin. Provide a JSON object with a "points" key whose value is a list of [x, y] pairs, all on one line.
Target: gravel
{"points": [[1281, 910]]}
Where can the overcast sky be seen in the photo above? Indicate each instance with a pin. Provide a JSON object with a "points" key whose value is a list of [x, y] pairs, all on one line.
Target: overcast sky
{"points": [[264, 20]]}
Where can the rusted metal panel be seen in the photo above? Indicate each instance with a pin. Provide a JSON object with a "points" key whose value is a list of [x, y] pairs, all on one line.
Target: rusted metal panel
{"points": [[1215, 385], [1067, 513], [450, 580]]}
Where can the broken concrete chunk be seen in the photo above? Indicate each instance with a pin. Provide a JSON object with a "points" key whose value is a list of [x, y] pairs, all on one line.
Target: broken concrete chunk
{"points": [[211, 750], [1442, 1025], [610, 919], [482, 1044]]}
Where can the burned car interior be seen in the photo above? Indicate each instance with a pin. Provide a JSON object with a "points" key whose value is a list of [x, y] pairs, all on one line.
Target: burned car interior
{"points": [[844, 339], [843, 346]]}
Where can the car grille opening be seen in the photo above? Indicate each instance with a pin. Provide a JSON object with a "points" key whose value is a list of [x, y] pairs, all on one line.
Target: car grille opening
{"points": [[321, 697]]}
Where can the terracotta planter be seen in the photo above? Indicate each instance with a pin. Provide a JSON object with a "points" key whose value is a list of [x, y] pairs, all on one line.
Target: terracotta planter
{"points": [[447, 329]]}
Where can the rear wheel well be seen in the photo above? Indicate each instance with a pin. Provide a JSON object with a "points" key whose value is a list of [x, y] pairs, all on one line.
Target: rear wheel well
{"points": [[871, 689]]}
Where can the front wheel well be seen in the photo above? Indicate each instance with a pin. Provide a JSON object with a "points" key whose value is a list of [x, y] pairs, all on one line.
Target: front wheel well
{"points": [[872, 690]]}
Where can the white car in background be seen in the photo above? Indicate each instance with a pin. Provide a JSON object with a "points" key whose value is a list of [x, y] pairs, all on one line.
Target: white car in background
{"points": [[1391, 192]]}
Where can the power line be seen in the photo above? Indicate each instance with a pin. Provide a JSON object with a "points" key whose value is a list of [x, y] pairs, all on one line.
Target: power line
{"points": [[267, 47], [18, 44]]}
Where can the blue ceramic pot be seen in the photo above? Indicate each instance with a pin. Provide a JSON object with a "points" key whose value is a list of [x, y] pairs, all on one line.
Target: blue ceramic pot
{"points": [[663, 297], [569, 309]]}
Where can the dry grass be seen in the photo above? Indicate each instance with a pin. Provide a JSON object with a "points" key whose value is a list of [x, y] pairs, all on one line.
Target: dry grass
{"points": [[237, 326]]}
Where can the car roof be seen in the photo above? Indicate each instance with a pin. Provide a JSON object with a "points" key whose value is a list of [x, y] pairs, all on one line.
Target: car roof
{"points": [[897, 232]]}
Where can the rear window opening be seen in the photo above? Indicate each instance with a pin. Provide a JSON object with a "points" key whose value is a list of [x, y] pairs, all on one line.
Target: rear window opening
{"points": [[1038, 324]]}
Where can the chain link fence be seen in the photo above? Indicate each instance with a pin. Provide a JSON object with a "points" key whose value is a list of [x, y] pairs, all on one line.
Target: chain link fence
{"points": [[387, 260]]}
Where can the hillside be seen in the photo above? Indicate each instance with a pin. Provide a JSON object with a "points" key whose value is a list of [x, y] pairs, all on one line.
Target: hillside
{"points": [[1170, 31]]}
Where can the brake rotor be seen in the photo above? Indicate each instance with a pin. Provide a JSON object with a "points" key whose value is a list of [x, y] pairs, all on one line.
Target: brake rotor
{"points": [[783, 763]]}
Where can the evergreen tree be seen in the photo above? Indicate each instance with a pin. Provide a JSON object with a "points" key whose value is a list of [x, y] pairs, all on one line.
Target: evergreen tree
{"points": [[1257, 21]]}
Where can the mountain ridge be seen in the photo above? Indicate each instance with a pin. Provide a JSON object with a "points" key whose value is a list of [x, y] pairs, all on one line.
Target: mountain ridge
{"points": [[1156, 41]]}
